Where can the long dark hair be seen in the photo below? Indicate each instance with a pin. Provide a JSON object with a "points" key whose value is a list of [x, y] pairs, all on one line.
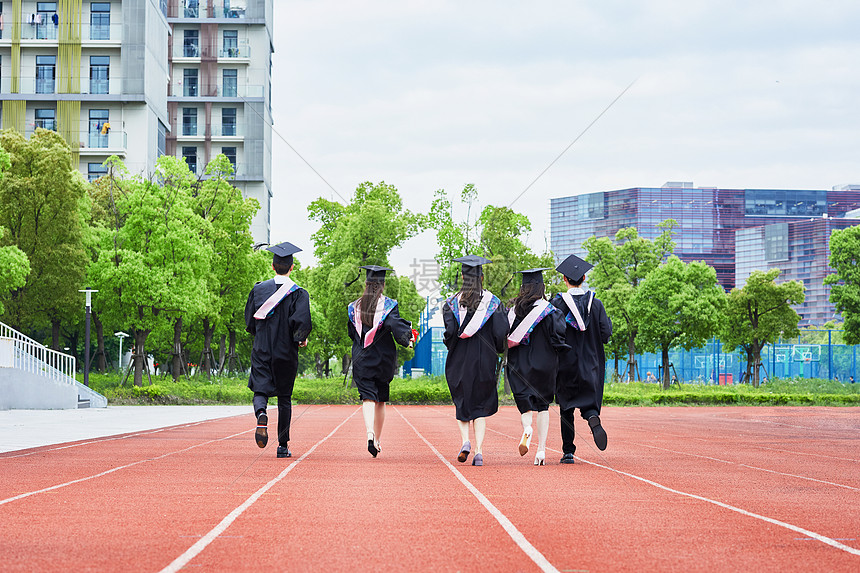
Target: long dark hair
{"points": [[529, 293], [369, 299], [472, 291]]}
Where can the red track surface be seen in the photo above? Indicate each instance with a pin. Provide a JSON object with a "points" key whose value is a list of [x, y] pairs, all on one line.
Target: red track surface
{"points": [[678, 489]]}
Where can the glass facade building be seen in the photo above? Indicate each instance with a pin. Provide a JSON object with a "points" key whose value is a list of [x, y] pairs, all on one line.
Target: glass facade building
{"points": [[735, 231]]}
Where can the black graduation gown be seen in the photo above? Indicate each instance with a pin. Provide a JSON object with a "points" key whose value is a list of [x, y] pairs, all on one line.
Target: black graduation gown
{"points": [[533, 367], [470, 368], [582, 369], [373, 367], [275, 355]]}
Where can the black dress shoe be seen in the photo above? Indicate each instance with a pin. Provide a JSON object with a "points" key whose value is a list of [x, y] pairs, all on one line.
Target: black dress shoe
{"points": [[284, 452], [597, 432], [567, 459], [261, 436]]}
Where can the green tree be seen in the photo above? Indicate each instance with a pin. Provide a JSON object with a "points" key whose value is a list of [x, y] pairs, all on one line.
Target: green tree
{"points": [[619, 269], [42, 198], [678, 304], [14, 268], [363, 232], [234, 267], [758, 314], [153, 265], [845, 282], [496, 234]]}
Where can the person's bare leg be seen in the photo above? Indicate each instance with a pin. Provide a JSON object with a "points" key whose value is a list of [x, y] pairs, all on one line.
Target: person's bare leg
{"points": [[368, 409], [527, 432], [480, 432], [542, 424], [378, 422]]}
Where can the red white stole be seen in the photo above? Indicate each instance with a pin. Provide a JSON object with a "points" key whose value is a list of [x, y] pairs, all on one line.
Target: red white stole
{"points": [[567, 297], [535, 315], [378, 318], [287, 286]]}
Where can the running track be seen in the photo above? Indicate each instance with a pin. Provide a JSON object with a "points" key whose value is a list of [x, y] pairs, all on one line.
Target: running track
{"points": [[678, 489]]}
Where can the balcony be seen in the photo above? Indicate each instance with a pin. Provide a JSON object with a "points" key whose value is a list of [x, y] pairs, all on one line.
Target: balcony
{"points": [[101, 34], [244, 91], [226, 131], [232, 52], [95, 143], [48, 86]]}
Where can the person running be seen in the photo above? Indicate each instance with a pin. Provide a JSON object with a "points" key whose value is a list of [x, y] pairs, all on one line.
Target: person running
{"points": [[278, 316], [475, 330], [535, 338], [582, 369], [374, 325]]}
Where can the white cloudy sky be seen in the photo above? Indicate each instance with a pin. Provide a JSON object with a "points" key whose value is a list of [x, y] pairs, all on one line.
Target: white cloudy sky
{"points": [[434, 95]]}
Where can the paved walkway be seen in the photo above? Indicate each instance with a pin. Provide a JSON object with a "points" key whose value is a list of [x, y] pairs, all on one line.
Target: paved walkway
{"points": [[22, 429]]}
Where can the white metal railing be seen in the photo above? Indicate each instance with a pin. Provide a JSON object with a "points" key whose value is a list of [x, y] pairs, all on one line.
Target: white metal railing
{"points": [[22, 352]]}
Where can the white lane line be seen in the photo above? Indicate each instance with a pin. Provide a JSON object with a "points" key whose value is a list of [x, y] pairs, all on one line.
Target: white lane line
{"points": [[198, 547], [116, 469], [748, 466], [509, 527], [822, 538]]}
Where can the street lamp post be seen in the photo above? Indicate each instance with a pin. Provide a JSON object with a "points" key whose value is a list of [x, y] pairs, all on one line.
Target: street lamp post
{"points": [[120, 335], [89, 306]]}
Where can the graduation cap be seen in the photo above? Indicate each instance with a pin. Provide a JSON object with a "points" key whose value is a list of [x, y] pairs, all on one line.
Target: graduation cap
{"points": [[375, 272], [472, 264], [574, 268], [533, 276], [283, 249]]}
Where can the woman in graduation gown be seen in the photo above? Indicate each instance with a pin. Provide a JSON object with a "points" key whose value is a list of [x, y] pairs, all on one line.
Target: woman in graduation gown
{"points": [[535, 338], [475, 329], [374, 325]]}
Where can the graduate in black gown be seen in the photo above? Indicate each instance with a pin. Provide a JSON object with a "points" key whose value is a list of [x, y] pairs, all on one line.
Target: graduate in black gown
{"points": [[278, 316], [475, 330], [535, 338], [581, 370], [374, 325]]}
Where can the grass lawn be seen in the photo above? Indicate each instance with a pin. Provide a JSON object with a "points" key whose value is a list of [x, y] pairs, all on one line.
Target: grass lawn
{"points": [[434, 390]]}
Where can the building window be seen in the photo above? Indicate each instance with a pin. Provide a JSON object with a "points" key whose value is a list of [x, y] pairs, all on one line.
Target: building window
{"points": [[45, 74], [192, 8], [230, 152], [1, 16], [99, 128], [189, 82], [46, 119], [161, 144], [228, 121], [230, 83], [231, 44], [190, 155], [776, 242], [46, 20], [99, 74], [95, 170], [189, 121], [234, 8], [191, 44], [100, 21]]}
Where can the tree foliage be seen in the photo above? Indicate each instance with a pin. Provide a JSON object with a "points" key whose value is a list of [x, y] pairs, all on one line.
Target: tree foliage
{"points": [[758, 314], [619, 268], [678, 304], [41, 202], [845, 282]]}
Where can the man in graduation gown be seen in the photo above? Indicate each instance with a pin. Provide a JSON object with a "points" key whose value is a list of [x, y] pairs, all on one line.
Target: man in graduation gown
{"points": [[582, 369], [278, 315]]}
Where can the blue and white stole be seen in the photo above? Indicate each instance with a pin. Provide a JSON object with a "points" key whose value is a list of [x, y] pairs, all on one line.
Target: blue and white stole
{"points": [[488, 305], [287, 286], [521, 333], [574, 317], [383, 306]]}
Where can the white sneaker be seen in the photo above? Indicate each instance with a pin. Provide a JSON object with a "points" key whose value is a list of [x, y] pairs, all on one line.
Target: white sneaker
{"points": [[525, 440]]}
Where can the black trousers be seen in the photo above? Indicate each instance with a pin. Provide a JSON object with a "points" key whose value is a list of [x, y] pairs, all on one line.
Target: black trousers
{"points": [[567, 430], [285, 414]]}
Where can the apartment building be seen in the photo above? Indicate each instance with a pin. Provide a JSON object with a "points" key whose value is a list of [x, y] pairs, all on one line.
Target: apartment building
{"points": [[144, 78]]}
